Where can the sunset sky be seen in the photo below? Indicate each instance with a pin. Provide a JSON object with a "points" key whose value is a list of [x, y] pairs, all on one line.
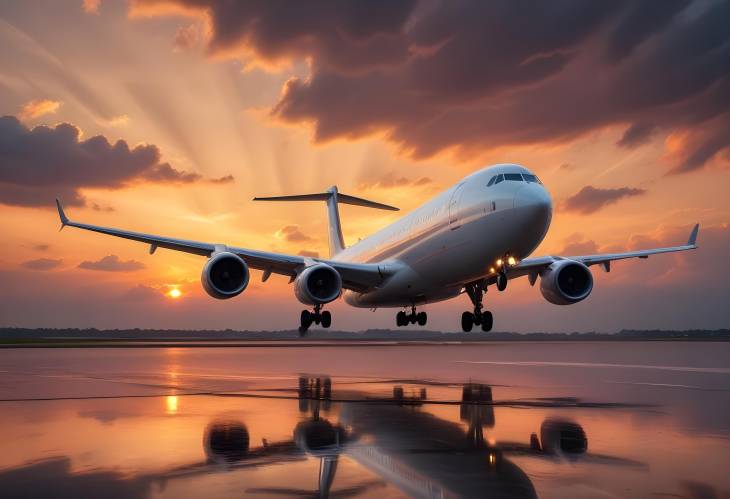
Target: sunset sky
{"points": [[169, 116]]}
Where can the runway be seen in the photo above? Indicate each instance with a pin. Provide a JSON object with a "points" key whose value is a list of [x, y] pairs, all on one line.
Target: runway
{"points": [[598, 419]]}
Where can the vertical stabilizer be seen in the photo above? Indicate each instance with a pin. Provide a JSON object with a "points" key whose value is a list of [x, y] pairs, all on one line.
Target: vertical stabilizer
{"points": [[337, 242]]}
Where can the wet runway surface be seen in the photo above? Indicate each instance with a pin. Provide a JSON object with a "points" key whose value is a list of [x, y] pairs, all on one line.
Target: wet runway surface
{"points": [[584, 419]]}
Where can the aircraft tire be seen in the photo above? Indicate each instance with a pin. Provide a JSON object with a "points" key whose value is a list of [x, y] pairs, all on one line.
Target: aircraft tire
{"points": [[467, 321], [326, 319], [501, 281], [305, 320], [487, 321]]}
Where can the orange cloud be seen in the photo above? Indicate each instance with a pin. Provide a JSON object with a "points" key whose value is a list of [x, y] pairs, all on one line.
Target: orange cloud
{"points": [[91, 6], [39, 107]]}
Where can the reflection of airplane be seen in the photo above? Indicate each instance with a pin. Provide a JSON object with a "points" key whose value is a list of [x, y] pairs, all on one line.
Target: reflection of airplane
{"points": [[414, 450], [478, 233]]}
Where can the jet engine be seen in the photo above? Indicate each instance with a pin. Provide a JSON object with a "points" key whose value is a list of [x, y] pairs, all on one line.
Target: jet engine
{"points": [[563, 437], [566, 282], [226, 442], [225, 275], [318, 284]]}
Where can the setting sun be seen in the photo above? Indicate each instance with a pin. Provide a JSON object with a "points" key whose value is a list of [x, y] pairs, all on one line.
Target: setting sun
{"points": [[174, 293]]}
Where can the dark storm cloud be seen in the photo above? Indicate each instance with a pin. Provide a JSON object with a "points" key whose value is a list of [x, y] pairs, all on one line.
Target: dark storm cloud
{"points": [[349, 35], [42, 264], [636, 135], [112, 263], [39, 164], [476, 75], [591, 199]]}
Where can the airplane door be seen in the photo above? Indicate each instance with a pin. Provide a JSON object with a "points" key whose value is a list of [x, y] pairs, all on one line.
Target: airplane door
{"points": [[454, 206]]}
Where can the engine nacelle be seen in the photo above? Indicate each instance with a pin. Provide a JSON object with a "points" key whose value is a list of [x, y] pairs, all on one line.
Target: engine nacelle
{"points": [[566, 282], [225, 275], [318, 284]]}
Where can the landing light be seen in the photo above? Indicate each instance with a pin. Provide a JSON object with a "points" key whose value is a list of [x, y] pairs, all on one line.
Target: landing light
{"points": [[511, 260], [491, 270], [499, 262]]}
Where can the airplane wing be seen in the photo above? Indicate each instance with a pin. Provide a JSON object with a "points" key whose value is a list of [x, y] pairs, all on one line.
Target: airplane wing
{"points": [[355, 276], [533, 266]]}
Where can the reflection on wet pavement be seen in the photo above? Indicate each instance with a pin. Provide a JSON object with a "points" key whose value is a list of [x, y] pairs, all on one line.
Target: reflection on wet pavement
{"points": [[178, 425]]}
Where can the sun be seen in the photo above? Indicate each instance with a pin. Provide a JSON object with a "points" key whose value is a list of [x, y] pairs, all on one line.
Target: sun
{"points": [[174, 293]]}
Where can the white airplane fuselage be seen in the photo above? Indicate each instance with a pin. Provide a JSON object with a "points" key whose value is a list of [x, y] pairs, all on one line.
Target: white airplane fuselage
{"points": [[453, 239]]}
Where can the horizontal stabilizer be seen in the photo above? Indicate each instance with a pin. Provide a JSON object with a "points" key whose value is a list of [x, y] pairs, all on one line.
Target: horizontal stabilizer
{"points": [[324, 196], [333, 198]]}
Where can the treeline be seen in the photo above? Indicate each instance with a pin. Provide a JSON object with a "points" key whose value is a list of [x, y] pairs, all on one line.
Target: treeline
{"points": [[370, 334]]}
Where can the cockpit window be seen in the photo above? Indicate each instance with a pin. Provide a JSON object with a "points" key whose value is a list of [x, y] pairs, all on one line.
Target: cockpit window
{"points": [[531, 178], [513, 176], [500, 177], [491, 180]]}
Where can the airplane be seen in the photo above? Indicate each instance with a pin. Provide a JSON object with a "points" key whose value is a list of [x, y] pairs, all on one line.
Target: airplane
{"points": [[478, 233]]}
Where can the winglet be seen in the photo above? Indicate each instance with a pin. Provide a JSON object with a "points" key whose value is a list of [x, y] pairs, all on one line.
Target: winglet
{"points": [[693, 236], [61, 214]]}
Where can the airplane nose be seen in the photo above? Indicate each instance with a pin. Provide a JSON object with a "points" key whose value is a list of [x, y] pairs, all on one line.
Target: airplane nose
{"points": [[535, 200]]}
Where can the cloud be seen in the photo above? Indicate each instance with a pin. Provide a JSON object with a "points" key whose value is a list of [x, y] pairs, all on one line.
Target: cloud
{"points": [[309, 254], [116, 121], [473, 76], [591, 199], [292, 233], [226, 179], [39, 164], [187, 37], [41, 247], [42, 264], [636, 135], [39, 107], [576, 245], [112, 263]]}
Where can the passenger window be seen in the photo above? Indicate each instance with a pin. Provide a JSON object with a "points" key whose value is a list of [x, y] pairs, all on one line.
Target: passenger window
{"points": [[500, 177], [513, 176], [491, 180], [530, 178]]}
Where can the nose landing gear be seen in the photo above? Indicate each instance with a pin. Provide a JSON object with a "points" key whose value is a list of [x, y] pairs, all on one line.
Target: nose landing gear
{"points": [[403, 319], [504, 264], [317, 316], [477, 317]]}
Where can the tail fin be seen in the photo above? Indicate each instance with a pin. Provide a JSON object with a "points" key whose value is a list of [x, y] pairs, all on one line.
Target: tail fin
{"points": [[333, 198]]}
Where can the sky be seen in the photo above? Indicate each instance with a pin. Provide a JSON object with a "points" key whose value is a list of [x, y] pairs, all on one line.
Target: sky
{"points": [[168, 116]]}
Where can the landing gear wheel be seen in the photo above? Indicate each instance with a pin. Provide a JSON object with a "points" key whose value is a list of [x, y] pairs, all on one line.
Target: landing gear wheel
{"points": [[487, 321], [401, 319], [467, 321], [305, 320], [422, 318], [326, 319], [501, 281]]}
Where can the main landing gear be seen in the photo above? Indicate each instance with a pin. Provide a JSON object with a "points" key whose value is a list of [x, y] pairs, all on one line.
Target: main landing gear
{"points": [[403, 319], [478, 317], [317, 316]]}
